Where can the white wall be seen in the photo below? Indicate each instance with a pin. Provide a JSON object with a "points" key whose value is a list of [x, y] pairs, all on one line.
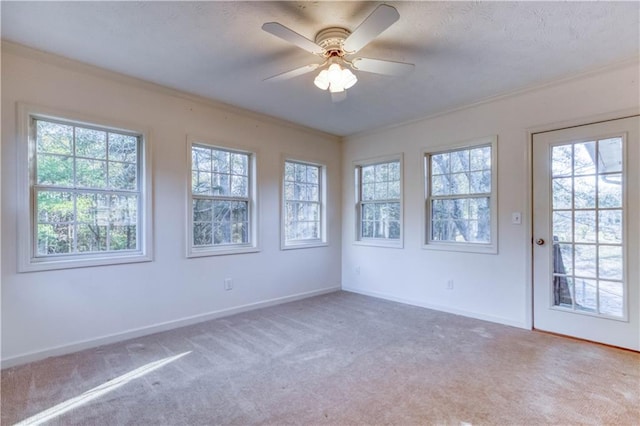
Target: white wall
{"points": [[45, 313], [493, 287]]}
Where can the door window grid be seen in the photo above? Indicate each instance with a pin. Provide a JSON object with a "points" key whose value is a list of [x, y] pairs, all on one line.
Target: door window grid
{"points": [[302, 202], [86, 190], [587, 224]]}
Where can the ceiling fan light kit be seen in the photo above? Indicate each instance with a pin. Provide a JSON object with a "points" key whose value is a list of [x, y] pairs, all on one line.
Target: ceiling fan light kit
{"points": [[334, 45]]}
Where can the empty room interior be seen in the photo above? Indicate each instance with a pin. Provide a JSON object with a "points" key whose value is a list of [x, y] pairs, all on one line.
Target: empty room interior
{"points": [[320, 213]]}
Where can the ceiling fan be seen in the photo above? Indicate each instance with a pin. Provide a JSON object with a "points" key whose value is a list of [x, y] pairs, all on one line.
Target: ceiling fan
{"points": [[336, 46]]}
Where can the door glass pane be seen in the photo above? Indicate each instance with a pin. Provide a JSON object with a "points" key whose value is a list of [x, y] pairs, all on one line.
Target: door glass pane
{"points": [[586, 295], [587, 222]]}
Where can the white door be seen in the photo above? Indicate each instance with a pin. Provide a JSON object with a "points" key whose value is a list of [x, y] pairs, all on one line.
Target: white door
{"points": [[586, 232]]}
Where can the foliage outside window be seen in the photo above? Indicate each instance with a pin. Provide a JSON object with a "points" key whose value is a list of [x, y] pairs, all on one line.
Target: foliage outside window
{"points": [[460, 196], [303, 203], [379, 202], [87, 201], [221, 199]]}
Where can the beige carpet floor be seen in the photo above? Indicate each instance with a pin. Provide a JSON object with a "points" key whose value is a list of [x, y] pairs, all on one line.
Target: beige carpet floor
{"points": [[335, 359]]}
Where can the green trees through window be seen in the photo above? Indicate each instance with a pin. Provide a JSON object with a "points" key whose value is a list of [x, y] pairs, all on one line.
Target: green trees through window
{"points": [[86, 190]]}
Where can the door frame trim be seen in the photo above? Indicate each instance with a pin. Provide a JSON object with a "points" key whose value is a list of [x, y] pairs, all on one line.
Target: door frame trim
{"points": [[528, 218]]}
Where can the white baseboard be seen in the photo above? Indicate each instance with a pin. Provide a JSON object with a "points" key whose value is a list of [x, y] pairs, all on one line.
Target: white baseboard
{"points": [[156, 328], [470, 314]]}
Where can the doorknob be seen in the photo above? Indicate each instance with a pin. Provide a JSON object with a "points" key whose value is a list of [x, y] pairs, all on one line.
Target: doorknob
{"points": [[540, 241]]}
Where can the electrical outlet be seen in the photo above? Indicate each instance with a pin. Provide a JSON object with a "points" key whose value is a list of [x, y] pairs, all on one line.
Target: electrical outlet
{"points": [[228, 284], [450, 285]]}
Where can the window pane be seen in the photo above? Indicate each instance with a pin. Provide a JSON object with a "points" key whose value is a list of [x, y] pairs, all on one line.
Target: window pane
{"points": [[585, 226], [55, 207], [562, 226], [562, 193], [610, 262], [460, 184], [240, 164], [611, 297], [584, 264], [586, 294], [584, 158], [92, 209], [123, 148], [610, 155], [562, 160], [610, 226], [202, 233], [201, 182], [202, 210], [440, 164], [289, 171], [91, 237], [585, 192], [221, 184], [201, 159], [221, 161], [91, 143], [91, 173], [459, 161], [239, 186], [54, 138], [124, 209], [480, 158], [55, 239], [610, 191], [55, 170], [122, 175]]}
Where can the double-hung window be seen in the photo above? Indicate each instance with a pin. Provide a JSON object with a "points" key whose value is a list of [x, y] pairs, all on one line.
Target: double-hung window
{"points": [[379, 202], [303, 204], [87, 195], [222, 201], [461, 201]]}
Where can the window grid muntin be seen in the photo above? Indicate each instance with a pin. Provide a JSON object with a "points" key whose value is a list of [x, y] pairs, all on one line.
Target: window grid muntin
{"points": [[596, 209], [76, 190], [317, 202], [213, 198], [461, 196], [363, 203]]}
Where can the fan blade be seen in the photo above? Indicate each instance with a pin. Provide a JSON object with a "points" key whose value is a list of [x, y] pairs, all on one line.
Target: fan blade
{"points": [[293, 37], [378, 66], [293, 73], [338, 96], [379, 20]]}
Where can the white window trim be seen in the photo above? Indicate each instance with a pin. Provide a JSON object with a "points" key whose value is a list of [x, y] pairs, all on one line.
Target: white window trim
{"points": [[427, 243], [300, 244], [27, 261], [252, 246], [377, 242]]}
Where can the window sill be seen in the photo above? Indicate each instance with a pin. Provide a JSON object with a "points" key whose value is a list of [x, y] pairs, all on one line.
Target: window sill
{"points": [[303, 245], [47, 264], [221, 251], [462, 247], [397, 244]]}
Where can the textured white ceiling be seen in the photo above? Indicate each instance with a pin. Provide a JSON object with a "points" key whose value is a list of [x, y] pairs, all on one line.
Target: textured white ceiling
{"points": [[464, 51]]}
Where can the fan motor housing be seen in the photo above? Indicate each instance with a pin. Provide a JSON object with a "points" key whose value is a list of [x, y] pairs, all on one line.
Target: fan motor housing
{"points": [[332, 41]]}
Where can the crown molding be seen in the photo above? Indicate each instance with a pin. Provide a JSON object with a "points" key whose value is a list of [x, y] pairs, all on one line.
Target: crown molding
{"points": [[72, 64], [506, 95]]}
